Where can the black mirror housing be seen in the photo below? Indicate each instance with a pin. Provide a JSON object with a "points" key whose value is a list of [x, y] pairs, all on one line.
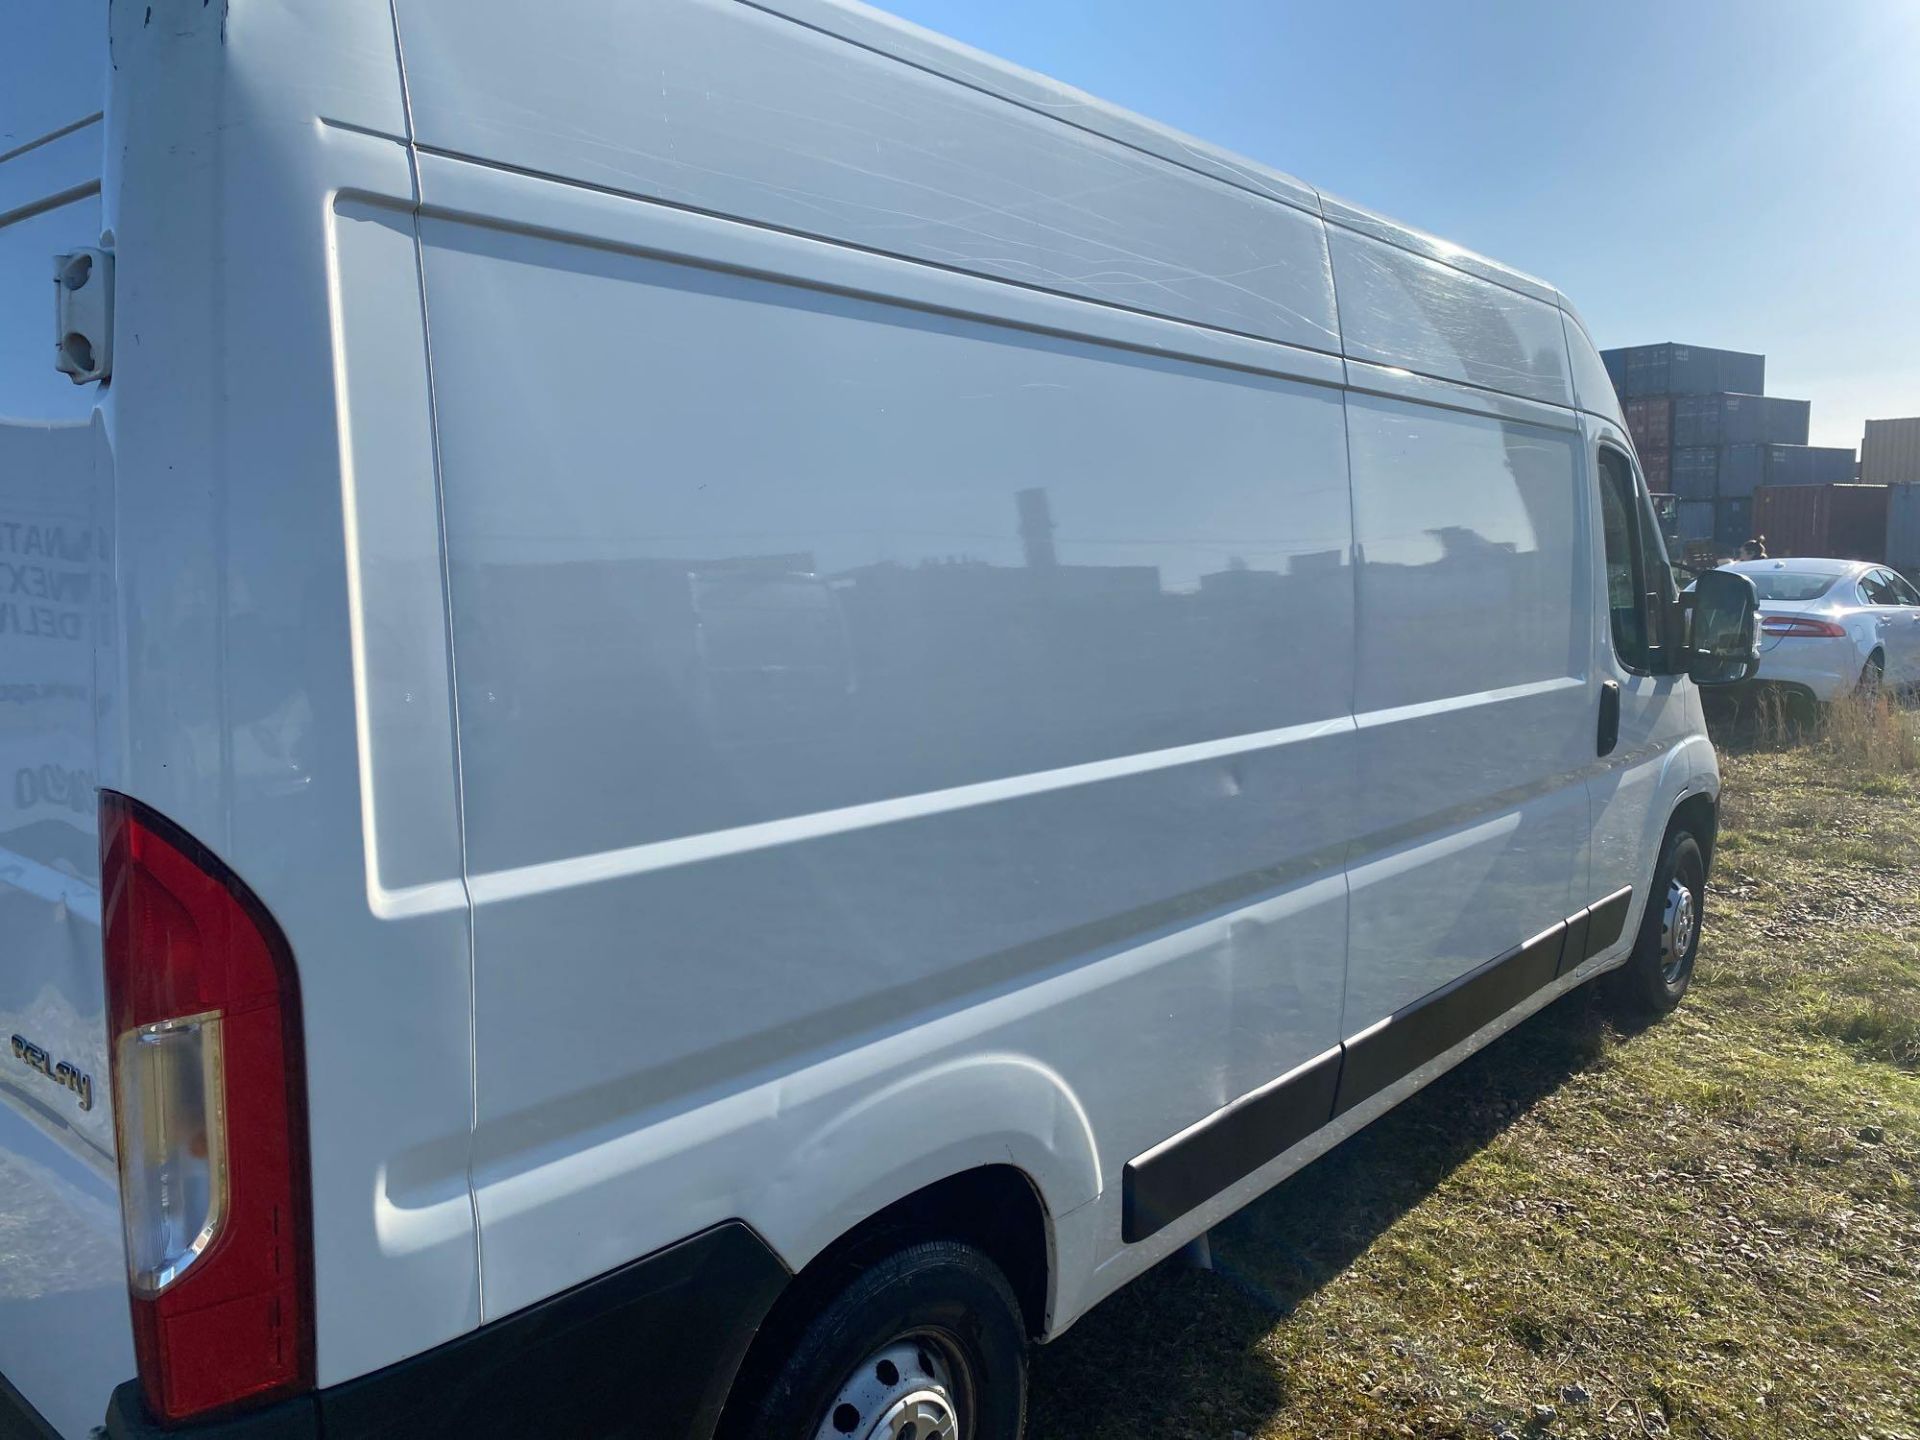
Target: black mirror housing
{"points": [[1723, 640]]}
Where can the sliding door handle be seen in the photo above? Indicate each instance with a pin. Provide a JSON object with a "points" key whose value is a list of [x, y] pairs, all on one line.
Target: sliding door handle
{"points": [[1609, 717]]}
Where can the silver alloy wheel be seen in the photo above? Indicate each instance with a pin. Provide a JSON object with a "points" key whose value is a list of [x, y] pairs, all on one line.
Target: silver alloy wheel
{"points": [[1678, 929], [913, 1388]]}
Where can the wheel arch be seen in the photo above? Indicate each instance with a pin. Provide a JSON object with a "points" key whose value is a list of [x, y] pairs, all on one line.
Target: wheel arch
{"points": [[996, 1208], [929, 1136], [1698, 813]]}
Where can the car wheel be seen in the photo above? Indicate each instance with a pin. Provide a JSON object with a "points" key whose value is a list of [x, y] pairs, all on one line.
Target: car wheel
{"points": [[926, 1343], [1873, 675], [1660, 968]]}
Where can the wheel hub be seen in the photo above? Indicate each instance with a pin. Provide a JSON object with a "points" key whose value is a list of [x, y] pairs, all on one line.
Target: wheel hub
{"points": [[906, 1390], [1679, 926]]}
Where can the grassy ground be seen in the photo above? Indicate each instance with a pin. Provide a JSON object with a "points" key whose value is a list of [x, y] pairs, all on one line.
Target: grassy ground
{"points": [[1710, 1227]]}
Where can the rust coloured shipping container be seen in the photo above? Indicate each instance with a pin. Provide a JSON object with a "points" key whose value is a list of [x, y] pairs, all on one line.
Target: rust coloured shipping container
{"points": [[1840, 522], [1650, 422], [1657, 468]]}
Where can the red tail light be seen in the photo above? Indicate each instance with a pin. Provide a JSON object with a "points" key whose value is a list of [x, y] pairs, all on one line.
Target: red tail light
{"points": [[1801, 625], [210, 1107]]}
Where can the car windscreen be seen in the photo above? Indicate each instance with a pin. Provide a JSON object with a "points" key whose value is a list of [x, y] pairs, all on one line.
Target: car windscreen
{"points": [[1790, 584]]}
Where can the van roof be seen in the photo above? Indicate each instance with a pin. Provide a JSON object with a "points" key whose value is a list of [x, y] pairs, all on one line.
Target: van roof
{"points": [[864, 24]]}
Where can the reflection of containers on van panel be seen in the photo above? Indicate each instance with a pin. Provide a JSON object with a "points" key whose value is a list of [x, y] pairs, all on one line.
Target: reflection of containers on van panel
{"points": [[1841, 522]]}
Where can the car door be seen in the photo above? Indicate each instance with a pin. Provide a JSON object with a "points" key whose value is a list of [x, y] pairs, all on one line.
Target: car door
{"points": [[1900, 627], [1641, 764], [1882, 606]]}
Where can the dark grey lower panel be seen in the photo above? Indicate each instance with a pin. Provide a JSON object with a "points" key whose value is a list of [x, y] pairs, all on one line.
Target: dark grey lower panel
{"points": [[1574, 949], [18, 1419], [1181, 1174], [646, 1352], [1171, 1179], [1606, 919], [1411, 1037]]}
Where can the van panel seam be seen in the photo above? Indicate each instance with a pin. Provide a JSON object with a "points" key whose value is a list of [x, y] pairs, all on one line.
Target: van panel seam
{"points": [[453, 686]]}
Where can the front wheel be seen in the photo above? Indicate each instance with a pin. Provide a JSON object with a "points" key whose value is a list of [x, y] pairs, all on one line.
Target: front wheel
{"points": [[924, 1344], [1660, 968]]}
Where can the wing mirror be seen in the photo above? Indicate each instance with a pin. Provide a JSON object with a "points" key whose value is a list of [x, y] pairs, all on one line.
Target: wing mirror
{"points": [[1723, 636]]}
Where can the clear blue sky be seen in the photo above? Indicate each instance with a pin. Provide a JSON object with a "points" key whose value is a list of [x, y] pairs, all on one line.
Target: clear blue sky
{"points": [[1743, 173]]}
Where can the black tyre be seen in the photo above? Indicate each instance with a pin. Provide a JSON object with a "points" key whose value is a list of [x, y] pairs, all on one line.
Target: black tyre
{"points": [[925, 1343], [1873, 675], [1660, 968]]}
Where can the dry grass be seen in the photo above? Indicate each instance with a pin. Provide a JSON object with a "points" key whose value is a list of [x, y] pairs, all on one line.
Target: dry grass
{"points": [[1869, 735], [1708, 1228]]}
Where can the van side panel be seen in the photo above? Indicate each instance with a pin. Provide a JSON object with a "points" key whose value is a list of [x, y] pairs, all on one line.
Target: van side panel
{"points": [[1473, 701], [877, 701], [729, 109]]}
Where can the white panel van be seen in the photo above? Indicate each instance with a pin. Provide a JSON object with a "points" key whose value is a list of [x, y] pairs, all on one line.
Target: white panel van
{"points": [[708, 709]]}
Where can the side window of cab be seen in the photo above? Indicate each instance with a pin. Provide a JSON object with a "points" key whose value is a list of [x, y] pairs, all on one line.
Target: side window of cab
{"points": [[1630, 562]]}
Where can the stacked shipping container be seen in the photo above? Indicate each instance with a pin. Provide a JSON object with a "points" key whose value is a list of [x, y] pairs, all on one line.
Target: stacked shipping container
{"points": [[1840, 522], [1890, 456], [1727, 472], [1903, 530], [1739, 420], [1671, 369], [1890, 453], [1708, 435]]}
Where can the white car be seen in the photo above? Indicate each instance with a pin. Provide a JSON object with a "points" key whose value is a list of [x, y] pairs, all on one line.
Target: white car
{"points": [[1828, 627]]}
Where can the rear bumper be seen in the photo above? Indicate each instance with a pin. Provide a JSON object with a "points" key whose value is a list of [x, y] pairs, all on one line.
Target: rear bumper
{"points": [[18, 1419], [1825, 668], [648, 1350]]}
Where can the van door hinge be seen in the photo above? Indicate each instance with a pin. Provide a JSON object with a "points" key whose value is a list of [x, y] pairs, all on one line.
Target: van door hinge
{"points": [[83, 315]]}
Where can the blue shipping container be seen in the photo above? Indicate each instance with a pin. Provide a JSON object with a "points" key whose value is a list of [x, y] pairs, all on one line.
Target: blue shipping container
{"points": [[1695, 519], [1742, 470], [1804, 465], [1732, 523], [1903, 530], [1670, 369], [1694, 472], [1739, 420], [1833, 465]]}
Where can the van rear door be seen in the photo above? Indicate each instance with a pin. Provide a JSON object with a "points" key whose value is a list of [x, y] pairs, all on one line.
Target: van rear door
{"points": [[64, 1332]]}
